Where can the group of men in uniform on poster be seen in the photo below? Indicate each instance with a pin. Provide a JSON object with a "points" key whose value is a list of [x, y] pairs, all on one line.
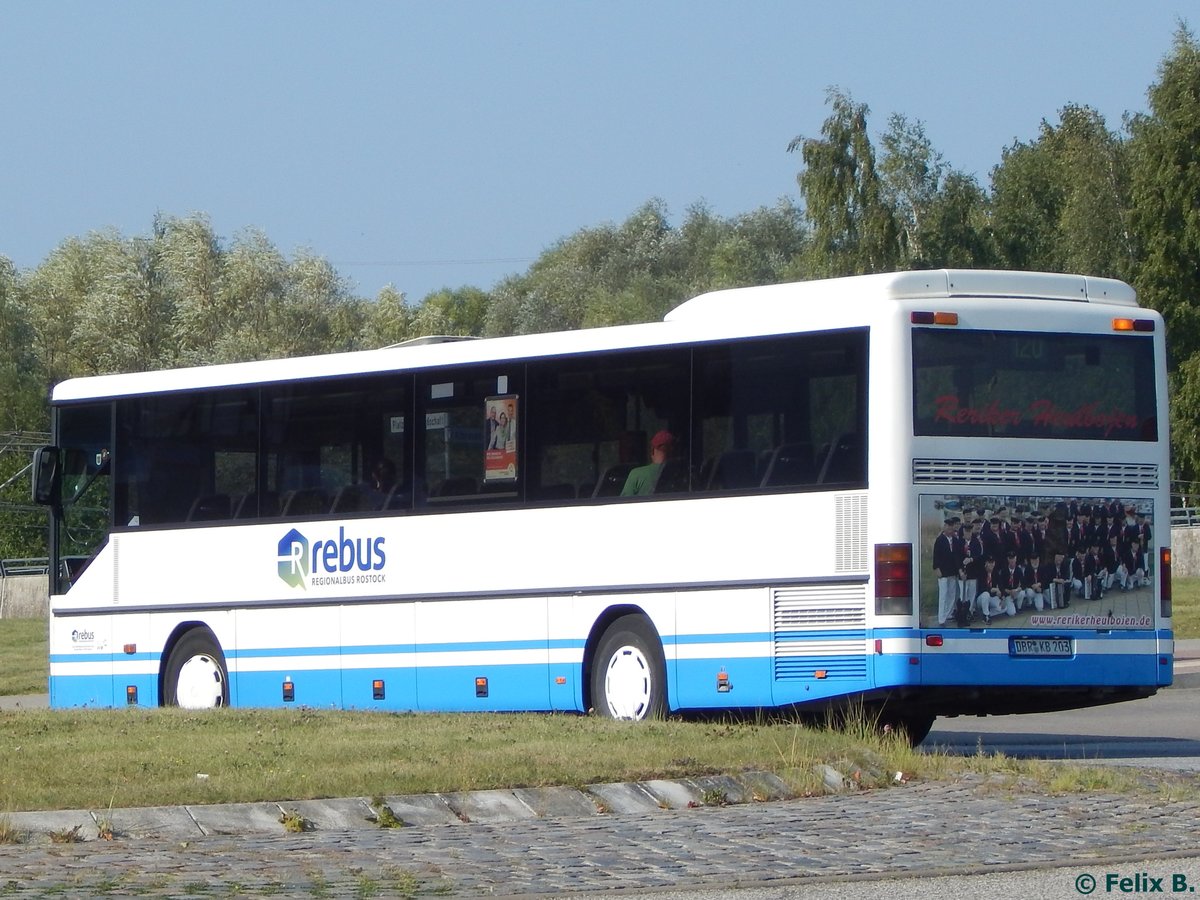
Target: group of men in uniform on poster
{"points": [[991, 564]]}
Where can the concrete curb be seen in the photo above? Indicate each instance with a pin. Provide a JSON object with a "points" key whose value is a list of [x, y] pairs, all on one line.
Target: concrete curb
{"points": [[183, 823]]}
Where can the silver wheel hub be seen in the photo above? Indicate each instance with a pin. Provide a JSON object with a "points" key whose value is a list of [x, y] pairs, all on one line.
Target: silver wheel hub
{"points": [[201, 683], [628, 683]]}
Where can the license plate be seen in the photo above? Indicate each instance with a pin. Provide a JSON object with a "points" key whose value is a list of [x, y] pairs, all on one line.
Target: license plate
{"points": [[1052, 647]]}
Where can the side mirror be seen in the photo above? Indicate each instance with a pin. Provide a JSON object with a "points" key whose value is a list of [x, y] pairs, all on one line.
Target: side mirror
{"points": [[47, 470]]}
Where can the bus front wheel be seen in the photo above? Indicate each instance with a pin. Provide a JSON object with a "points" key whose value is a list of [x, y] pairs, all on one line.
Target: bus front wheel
{"points": [[196, 676], [629, 674]]}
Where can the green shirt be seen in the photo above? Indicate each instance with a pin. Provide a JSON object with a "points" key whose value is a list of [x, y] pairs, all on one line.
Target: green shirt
{"points": [[642, 480]]}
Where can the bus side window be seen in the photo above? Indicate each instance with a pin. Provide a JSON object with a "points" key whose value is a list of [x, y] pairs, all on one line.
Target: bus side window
{"points": [[592, 420], [781, 412], [470, 437]]}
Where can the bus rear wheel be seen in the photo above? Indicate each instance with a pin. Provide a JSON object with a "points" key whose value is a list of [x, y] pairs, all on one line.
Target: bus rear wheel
{"points": [[629, 674], [196, 676], [916, 726]]}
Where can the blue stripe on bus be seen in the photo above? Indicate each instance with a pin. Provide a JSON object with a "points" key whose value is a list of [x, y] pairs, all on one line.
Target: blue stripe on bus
{"points": [[762, 680], [365, 650], [832, 634], [103, 657]]}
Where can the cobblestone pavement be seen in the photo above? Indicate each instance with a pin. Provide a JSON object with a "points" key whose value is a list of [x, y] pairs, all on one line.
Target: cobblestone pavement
{"points": [[970, 826]]}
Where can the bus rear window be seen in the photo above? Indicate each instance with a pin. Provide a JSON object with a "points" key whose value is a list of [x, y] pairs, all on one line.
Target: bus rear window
{"points": [[1033, 385]]}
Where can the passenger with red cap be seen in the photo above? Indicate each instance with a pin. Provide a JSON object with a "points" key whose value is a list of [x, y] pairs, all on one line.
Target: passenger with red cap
{"points": [[643, 479]]}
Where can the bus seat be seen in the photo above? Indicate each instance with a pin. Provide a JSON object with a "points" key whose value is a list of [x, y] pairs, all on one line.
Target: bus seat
{"points": [[306, 502], [790, 464], [844, 463], [673, 479], [397, 498], [733, 470], [210, 507], [350, 498], [613, 480], [254, 506]]}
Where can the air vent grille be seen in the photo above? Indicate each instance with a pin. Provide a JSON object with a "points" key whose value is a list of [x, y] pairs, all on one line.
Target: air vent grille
{"points": [[850, 514], [1114, 476], [820, 628]]}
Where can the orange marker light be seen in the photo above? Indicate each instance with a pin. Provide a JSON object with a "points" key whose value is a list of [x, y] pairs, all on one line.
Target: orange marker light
{"points": [[1133, 325], [924, 317]]}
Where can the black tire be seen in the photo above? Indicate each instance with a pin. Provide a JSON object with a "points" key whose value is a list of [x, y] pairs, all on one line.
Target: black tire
{"points": [[194, 662], [916, 726], [629, 673]]}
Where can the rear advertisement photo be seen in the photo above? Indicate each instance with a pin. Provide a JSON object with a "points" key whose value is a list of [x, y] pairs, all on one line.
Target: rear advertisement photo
{"points": [[1036, 564]]}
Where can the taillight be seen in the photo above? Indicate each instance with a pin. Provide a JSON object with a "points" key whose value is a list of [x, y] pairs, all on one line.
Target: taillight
{"points": [[893, 580], [925, 317], [1164, 581], [1133, 324]]}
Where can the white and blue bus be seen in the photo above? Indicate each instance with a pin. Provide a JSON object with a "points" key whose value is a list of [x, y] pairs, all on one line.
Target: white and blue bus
{"points": [[736, 508]]}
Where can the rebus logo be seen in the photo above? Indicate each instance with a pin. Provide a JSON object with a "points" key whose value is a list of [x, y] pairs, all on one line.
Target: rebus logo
{"points": [[293, 559], [302, 563]]}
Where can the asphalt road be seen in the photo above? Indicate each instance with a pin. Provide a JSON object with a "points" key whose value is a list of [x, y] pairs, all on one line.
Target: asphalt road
{"points": [[1160, 732]]}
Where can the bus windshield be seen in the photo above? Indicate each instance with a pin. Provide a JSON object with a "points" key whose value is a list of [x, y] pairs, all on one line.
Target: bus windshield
{"points": [[84, 435], [1033, 385]]}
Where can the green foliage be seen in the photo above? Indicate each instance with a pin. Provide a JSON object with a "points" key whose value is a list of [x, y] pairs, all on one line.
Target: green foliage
{"points": [[854, 230], [639, 270], [1166, 195], [1165, 217], [1062, 202]]}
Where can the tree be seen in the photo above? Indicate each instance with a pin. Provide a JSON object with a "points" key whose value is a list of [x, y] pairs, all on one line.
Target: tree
{"points": [[853, 229], [1166, 195], [193, 266], [911, 174], [20, 386], [56, 291], [764, 246], [1062, 203], [1165, 151], [956, 228], [941, 213], [126, 320], [461, 311], [602, 275]]}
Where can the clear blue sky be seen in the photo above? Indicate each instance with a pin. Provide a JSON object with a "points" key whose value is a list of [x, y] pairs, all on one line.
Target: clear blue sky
{"points": [[439, 143]]}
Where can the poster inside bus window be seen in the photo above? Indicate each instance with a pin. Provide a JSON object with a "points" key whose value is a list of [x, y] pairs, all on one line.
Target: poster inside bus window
{"points": [[1036, 562], [500, 435]]}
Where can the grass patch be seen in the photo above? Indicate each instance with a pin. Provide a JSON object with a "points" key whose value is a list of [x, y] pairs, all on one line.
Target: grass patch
{"points": [[138, 757], [151, 757], [9, 834], [24, 656], [1185, 607]]}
